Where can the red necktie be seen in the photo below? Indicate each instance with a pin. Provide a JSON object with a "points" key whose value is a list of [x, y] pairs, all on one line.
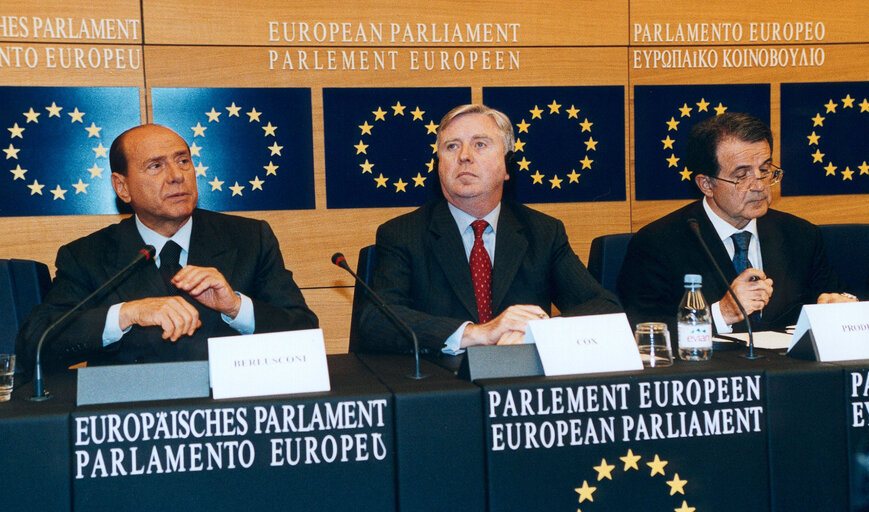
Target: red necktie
{"points": [[481, 272]]}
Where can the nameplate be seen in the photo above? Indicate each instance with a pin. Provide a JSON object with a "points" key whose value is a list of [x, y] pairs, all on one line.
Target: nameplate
{"points": [[277, 363], [140, 382], [585, 344], [495, 361], [832, 332]]}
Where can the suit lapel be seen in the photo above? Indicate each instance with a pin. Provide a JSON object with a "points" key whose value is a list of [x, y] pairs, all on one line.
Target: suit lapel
{"points": [[447, 247], [716, 246], [210, 246], [510, 247]]}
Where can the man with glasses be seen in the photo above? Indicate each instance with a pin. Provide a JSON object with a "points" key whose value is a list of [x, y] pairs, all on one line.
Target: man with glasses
{"points": [[774, 261]]}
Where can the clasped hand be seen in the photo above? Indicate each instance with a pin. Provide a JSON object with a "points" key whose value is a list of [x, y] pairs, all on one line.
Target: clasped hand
{"points": [[508, 328]]}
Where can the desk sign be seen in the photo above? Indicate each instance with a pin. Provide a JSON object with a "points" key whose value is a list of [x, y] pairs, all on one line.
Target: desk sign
{"points": [[832, 332], [277, 363], [585, 344]]}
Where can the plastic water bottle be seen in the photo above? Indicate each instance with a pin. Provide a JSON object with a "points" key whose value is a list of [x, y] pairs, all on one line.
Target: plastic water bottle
{"points": [[694, 322]]}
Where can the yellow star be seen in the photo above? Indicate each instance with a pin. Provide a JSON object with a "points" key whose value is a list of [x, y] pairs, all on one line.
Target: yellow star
{"points": [[361, 148], [813, 139], [553, 107], [686, 174], [847, 101], [720, 109], [585, 492], [586, 162], [256, 183], [101, 151], [80, 187], [604, 470], [523, 164], [518, 145], [537, 177], [684, 507], [275, 149], [18, 172], [831, 107], [431, 127], [11, 152], [572, 112], [200, 169], [216, 184], [864, 106], [673, 161], [864, 169], [366, 167], [381, 181], [630, 461], [76, 116], [418, 180], [685, 110], [556, 182], [400, 185], [53, 110], [831, 169], [379, 114], [269, 129], [213, 116], [253, 115], [35, 188], [703, 106], [198, 130], [668, 142], [398, 109], [574, 176], [16, 131], [236, 189], [672, 124], [591, 144], [847, 173], [657, 465], [233, 110], [535, 113], [93, 130], [271, 169], [677, 485], [523, 126], [817, 156], [96, 172], [194, 149], [430, 165], [818, 120], [58, 193], [586, 126], [33, 116], [434, 147], [366, 128], [417, 113]]}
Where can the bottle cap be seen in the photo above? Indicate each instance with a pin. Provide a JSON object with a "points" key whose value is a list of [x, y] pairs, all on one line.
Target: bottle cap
{"points": [[692, 279]]}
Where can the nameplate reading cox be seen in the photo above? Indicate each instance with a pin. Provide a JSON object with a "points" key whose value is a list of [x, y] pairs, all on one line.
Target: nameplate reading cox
{"points": [[832, 332], [584, 344], [277, 363]]}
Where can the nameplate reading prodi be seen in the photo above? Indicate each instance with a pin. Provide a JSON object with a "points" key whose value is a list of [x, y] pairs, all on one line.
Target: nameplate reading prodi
{"points": [[832, 332]]}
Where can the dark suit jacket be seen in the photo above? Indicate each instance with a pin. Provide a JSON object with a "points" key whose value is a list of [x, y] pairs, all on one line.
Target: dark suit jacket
{"points": [[244, 250], [423, 273], [659, 255]]}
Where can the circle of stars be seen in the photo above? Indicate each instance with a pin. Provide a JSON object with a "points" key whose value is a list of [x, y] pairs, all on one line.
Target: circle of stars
{"points": [[367, 167], [590, 145], [830, 109], [673, 126], [17, 131]]}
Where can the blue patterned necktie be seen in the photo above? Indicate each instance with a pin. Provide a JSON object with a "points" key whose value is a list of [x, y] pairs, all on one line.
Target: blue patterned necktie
{"points": [[740, 253]]}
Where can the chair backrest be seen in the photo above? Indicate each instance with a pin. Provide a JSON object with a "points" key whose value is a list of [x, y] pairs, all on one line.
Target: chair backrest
{"points": [[364, 269], [606, 256], [23, 284], [847, 248]]}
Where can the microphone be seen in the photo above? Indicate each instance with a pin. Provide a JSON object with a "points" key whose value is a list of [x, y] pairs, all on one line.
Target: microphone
{"points": [[39, 394], [695, 227], [339, 260]]}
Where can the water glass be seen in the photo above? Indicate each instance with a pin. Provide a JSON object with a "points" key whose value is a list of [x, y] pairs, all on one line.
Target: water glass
{"points": [[653, 341], [7, 372]]}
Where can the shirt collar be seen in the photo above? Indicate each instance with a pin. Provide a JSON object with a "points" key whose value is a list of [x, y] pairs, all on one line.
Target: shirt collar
{"points": [[151, 237], [724, 228], [464, 219]]}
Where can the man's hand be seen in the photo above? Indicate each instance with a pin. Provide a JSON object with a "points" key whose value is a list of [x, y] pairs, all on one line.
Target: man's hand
{"points": [[828, 298], [753, 289], [175, 315], [506, 329], [209, 287]]}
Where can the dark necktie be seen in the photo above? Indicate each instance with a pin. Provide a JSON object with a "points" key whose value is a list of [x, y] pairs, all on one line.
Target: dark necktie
{"points": [[740, 252], [481, 272], [169, 265]]}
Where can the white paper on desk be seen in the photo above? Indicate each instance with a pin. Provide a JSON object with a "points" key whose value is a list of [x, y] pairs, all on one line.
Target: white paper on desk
{"points": [[770, 340]]}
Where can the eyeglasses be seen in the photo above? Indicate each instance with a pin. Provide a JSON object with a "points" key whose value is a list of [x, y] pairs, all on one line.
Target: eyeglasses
{"points": [[769, 176]]}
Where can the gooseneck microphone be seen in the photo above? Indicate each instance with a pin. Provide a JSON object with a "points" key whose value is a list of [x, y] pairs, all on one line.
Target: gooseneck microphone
{"points": [[339, 260], [39, 393], [695, 227]]}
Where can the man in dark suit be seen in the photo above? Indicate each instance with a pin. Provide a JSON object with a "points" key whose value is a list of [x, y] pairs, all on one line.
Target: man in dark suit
{"points": [[471, 269], [783, 264], [218, 275]]}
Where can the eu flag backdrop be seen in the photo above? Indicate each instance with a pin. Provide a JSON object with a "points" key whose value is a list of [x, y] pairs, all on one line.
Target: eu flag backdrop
{"points": [[56, 147], [380, 144], [825, 138], [252, 148], [570, 141], [663, 118]]}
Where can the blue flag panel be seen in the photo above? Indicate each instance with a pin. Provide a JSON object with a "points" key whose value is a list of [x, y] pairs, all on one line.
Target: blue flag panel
{"points": [[252, 148], [663, 118], [825, 147], [380, 144], [570, 141], [56, 147]]}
